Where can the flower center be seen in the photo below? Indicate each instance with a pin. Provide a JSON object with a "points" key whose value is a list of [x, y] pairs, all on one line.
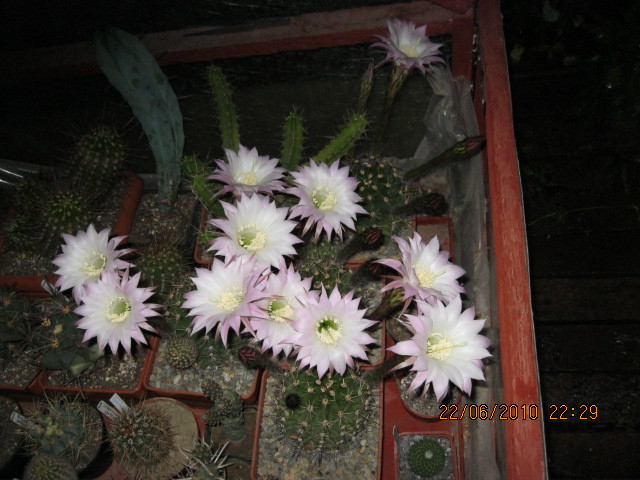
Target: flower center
{"points": [[439, 347], [279, 310], [230, 300], [251, 237], [426, 277], [94, 264], [323, 198], [247, 178], [329, 330], [118, 310], [411, 50]]}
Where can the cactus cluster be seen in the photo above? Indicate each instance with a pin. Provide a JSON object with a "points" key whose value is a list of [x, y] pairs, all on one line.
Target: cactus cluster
{"points": [[322, 414], [226, 410], [64, 427], [141, 438], [181, 351], [98, 159], [426, 458], [49, 467]]}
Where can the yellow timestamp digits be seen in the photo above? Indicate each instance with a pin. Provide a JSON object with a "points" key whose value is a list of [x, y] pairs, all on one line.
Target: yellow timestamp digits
{"points": [[568, 412], [482, 411]]}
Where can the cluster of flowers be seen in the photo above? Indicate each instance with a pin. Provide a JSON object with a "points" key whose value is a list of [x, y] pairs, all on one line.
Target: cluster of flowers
{"points": [[251, 287]]}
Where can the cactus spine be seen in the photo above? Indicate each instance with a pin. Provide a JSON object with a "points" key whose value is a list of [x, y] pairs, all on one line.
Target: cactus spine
{"points": [[344, 142], [182, 352], [293, 141], [226, 410], [141, 438], [49, 467], [426, 458], [197, 173], [227, 118]]}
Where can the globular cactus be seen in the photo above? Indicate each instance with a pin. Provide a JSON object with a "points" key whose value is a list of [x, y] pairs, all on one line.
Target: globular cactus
{"points": [[318, 261], [64, 427], [98, 159], [161, 265], [323, 414], [67, 211], [426, 458], [21, 232], [227, 409], [49, 467], [181, 352], [344, 141], [293, 141], [227, 117], [141, 438]]}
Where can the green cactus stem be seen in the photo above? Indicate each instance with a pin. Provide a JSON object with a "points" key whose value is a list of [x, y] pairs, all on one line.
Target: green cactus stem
{"points": [[322, 414], [369, 239], [426, 458], [64, 427], [97, 160], [196, 172], [226, 410], [66, 212], [161, 265], [141, 438], [227, 117], [344, 142], [135, 73], [462, 150], [49, 467], [293, 141]]}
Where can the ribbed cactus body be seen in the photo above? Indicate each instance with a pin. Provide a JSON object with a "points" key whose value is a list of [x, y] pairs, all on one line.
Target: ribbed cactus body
{"points": [[225, 108], [66, 212], [141, 437], [344, 141], [226, 410], [161, 266], [426, 458], [98, 159], [323, 414], [66, 428], [49, 467], [293, 134], [181, 352]]}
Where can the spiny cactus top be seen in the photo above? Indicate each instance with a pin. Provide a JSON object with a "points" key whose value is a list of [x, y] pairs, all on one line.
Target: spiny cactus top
{"points": [[426, 458]]}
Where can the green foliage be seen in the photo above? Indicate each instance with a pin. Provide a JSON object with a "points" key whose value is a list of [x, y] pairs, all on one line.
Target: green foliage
{"points": [[49, 467], [344, 142], [293, 141], [322, 414], [135, 73], [63, 427], [227, 117], [426, 458], [97, 160], [141, 438], [182, 352]]}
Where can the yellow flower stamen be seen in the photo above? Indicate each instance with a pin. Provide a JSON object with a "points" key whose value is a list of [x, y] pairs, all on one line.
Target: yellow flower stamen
{"points": [[94, 264], [279, 310], [323, 198], [425, 276], [252, 237], [439, 347], [247, 178], [230, 300], [118, 310], [329, 330]]}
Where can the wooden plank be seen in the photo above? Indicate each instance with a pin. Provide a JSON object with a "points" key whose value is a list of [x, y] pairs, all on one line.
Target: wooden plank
{"points": [[586, 299], [525, 450], [313, 30]]}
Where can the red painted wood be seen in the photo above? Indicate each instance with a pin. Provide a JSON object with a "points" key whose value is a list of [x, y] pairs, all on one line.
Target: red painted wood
{"points": [[525, 450]]}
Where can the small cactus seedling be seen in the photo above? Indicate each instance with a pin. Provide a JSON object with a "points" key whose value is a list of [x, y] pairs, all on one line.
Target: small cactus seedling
{"points": [[45, 466], [141, 438], [64, 427], [322, 414], [426, 458], [182, 352], [226, 410], [98, 159]]}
